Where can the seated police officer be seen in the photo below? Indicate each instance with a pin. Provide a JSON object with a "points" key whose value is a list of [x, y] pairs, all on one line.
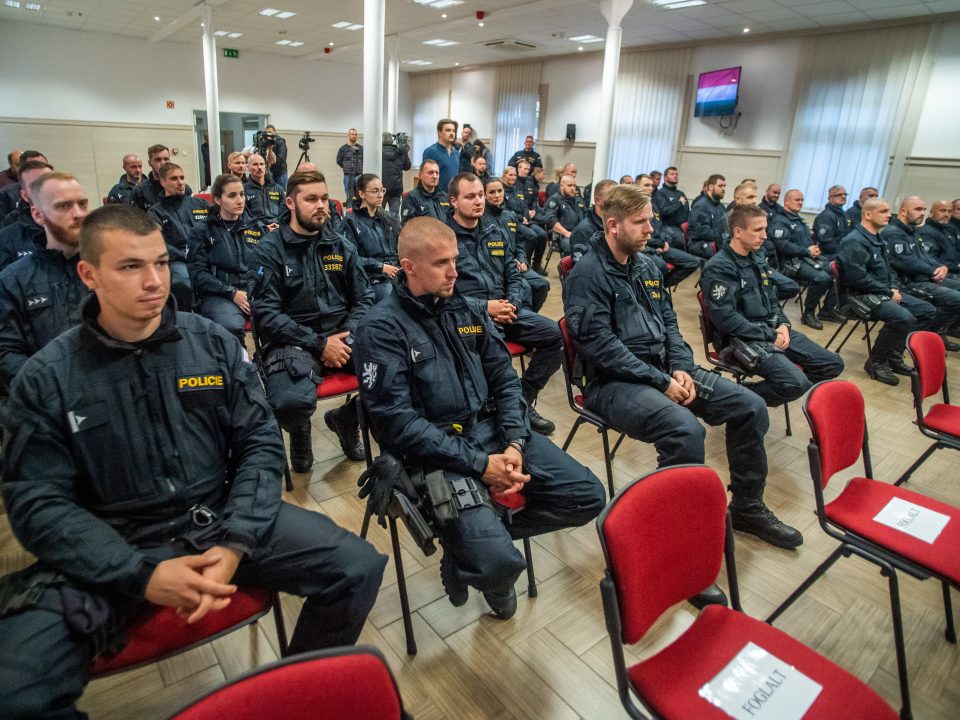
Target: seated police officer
{"points": [[441, 393], [941, 239], [487, 272], [11, 197], [374, 232], [673, 206], [921, 274], [742, 302], [786, 288], [178, 214], [563, 211], [854, 212], [264, 197], [641, 376], [427, 198], [149, 192], [584, 237], [708, 229], [867, 277], [832, 225], [221, 258], [532, 235], [40, 295], [801, 259], [122, 192], [311, 294], [769, 203], [684, 264], [23, 236], [144, 465]]}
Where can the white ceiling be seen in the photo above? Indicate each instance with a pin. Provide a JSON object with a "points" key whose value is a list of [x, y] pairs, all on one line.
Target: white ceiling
{"points": [[547, 24]]}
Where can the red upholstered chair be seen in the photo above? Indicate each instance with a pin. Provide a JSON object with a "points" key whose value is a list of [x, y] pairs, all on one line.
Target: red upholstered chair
{"points": [[564, 267], [575, 399], [663, 538], [205, 196], [541, 197], [941, 422], [518, 351], [339, 684], [158, 632], [835, 411]]}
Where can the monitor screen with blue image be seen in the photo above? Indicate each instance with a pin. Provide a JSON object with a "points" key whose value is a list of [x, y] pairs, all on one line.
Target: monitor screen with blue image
{"points": [[717, 92]]}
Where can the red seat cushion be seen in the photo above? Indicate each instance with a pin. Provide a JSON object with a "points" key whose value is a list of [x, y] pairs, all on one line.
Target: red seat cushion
{"points": [[516, 349], [159, 631], [670, 680], [578, 399], [943, 419], [337, 383], [863, 498], [514, 501]]}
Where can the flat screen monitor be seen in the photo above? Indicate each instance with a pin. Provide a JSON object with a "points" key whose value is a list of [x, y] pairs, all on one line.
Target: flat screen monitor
{"points": [[717, 92]]}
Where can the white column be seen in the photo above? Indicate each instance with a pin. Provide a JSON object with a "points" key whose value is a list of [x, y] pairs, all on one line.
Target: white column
{"points": [[213, 91], [393, 82], [374, 14], [613, 11]]}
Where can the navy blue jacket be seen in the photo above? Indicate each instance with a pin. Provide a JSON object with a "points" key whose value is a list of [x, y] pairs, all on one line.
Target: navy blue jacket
{"points": [[512, 227], [486, 265], [419, 203], [531, 156], [20, 239], [375, 238], [222, 256], [566, 211], [708, 221], [942, 242], [863, 264], [854, 213], [264, 202], [907, 256], [791, 236], [149, 192], [830, 227], [122, 192], [583, 239], [672, 211], [178, 216]]}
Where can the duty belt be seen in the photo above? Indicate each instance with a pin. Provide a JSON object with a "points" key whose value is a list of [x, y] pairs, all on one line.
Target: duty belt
{"points": [[458, 427]]}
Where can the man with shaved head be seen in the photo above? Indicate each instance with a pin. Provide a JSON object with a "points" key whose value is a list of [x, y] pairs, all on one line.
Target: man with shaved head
{"points": [[744, 194], [865, 273], [769, 201], [832, 225], [122, 192], [854, 211], [441, 393], [942, 240], [563, 211]]}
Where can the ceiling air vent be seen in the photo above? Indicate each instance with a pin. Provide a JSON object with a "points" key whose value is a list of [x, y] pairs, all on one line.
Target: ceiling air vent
{"points": [[509, 46]]}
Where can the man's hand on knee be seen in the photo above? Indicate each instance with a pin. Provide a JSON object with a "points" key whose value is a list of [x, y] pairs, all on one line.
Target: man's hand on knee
{"points": [[182, 582]]}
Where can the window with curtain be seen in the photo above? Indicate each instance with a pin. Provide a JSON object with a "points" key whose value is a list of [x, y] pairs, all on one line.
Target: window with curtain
{"points": [[518, 103], [851, 110], [647, 110], [431, 102]]}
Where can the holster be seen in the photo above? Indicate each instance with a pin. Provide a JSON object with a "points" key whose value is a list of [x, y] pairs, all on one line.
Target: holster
{"points": [[294, 360], [862, 306], [450, 493], [921, 293], [747, 354]]}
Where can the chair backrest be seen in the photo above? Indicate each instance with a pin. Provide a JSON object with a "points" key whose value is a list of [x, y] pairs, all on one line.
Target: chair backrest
{"points": [[569, 353], [706, 324], [835, 411], [930, 360], [338, 684], [564, 267], [685, 227], [663, 539]]}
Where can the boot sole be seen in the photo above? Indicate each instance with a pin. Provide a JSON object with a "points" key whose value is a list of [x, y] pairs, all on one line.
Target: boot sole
{"points": [[780, 543]]}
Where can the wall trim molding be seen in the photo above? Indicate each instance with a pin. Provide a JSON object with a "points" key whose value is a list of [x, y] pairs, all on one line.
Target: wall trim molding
{"points": [[730, 151]]}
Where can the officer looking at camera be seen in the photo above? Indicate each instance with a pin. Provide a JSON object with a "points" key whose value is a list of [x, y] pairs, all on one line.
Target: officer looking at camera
{"points": [[428, 198], [264, 201]]}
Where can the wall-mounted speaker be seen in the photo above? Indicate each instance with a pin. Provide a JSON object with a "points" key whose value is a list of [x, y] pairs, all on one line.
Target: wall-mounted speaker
{"points": [[571, 132]]}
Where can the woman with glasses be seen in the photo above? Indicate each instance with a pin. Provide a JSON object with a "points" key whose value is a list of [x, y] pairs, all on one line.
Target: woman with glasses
{"points": [[374, 231]]}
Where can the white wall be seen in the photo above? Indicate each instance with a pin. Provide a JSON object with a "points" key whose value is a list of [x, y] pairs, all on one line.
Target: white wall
{"points": [[937, 135], [573, 96], [472, 99]]}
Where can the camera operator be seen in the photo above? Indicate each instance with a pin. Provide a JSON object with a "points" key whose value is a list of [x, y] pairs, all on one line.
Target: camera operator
{"points": [[274, 149], [396, 159]]}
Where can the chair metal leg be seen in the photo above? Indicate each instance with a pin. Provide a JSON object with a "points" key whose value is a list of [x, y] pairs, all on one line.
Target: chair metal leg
{"points": [[531, 578], [616, 445], [951, 632], [917, 463], [804, 586], [523, 366], [573, 431], [402, 589], [287, 478], [891, 575], [835, 334], [786, 415], [847, 337], [366, 521], [608, 462], [281, 627]]}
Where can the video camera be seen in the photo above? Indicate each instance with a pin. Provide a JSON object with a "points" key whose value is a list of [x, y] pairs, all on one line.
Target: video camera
{"points": [[263, 141], [402, 141], [305, 141]]}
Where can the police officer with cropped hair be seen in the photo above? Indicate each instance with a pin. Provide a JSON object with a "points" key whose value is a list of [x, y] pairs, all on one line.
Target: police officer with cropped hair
{"points": [[427, 199], [264, 198]]}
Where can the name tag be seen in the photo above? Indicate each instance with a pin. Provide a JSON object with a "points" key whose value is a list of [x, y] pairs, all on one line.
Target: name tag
{"points": [[914, 520], [756, 685]]}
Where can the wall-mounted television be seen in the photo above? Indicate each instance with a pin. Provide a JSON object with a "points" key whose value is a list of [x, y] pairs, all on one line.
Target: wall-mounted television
{"points": [[717, 92]]}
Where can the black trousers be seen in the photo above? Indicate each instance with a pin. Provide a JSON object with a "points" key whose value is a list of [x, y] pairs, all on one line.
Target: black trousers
{"points": [[539, 289], [543, 336], [899, 320], [819, 284], [226, 313], [684, 265], [44, 665], [784, 382], [294, 400], [945, 298]]}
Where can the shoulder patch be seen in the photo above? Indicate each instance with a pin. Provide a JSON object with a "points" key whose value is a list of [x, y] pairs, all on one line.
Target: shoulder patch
{"points": [[898, 248], [778, 233], [822, 230], [370, 375], [718, 291], [37, 302]]}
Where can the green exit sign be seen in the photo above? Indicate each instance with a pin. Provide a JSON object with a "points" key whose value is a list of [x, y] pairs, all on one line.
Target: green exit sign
{"points": [[231, 53]]}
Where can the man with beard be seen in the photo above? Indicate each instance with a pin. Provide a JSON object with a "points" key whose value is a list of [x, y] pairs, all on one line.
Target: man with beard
{"points": [[23, 236], [427, 199], [671, 201], [309, 298], [769, 202], [149, 191], [122, 192], [350, 160], [941, 238], [40, 295], [237, 165], [264, 199], [641, 376], [708, 229]]}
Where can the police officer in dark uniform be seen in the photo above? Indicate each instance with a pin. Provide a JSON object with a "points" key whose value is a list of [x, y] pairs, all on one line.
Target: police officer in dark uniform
{"points": [[708, 229], [832, 225], [742, 302], [940, 238], [769, 204], [308, 300], [583, 239], [427, 198], [441, 393], [40, 295], [487, 272], [563, 211], [853, 212], [187, 511], [528, 154], [149, 192], [221, 258], [374, 232], [11, 197], [23, 236], [802, 259], [264, 201], [641, 376], [178, 214], [516, 198], [122, 192], [865, 273], [673, 206], [683, 264]]}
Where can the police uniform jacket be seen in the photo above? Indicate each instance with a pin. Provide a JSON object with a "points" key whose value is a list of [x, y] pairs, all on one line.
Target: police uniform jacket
{"points": [[486, 265], [420, 203], [515, 198], [582, 240], [830, 227], [532, 190], [308, 288], [511, 226], [708, 221], [375, 238], [531, 156], [941, 242], [741, 299], [429, 369], [854, 213], [622, 320], [771, 209], [149, 192], [20, 214], [111, 445], [9, 199], [566, 211], [122, 192], [863, 264], [178, 215], [221, 255], [791, 236], [907, 256], [264, 202], [39, 299], [672, 211], [20, 239]]}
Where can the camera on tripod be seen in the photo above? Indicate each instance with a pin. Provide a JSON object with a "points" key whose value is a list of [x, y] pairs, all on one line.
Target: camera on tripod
{"points": [[305, 141]]}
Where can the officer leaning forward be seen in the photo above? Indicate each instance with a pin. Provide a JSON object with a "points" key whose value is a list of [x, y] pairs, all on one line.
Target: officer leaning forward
{"points": [[144, 464], [309, 297], [441, 392], [640, 375], [742, 302]]}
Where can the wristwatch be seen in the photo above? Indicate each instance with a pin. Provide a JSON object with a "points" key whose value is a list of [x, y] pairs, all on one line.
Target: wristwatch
{"points": [[519, 444]]}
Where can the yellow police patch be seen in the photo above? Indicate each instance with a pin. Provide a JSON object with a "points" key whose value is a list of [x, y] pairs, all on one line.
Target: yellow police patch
{"points": [[333, 262], [189, 383], [470, 329]]}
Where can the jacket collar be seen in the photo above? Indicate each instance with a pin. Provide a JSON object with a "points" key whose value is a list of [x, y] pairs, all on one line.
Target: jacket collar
{"points": [[90, 327]]}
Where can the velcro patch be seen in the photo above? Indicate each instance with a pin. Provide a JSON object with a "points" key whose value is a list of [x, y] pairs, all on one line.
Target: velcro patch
{"points": [[718, 291], [37, 302], [191, 383]]}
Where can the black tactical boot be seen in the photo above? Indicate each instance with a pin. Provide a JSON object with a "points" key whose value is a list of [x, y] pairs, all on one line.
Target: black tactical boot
{"points": [[713, 595], [502, 602], [301, 449], [896, 363], [347, 432], [948, 343], [452, 584], [880, 370], [757, 519], [538, 423], [809, 318], [831, 315]]}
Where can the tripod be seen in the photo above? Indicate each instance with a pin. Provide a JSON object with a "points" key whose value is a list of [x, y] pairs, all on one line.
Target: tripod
{"points": [[303, 156]]}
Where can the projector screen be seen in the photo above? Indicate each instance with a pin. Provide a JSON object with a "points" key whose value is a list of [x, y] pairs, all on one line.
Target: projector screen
{"points": [[717, 92]]}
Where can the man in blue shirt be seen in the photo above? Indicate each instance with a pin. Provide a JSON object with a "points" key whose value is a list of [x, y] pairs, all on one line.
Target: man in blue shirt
{"points": [[444, 152]]}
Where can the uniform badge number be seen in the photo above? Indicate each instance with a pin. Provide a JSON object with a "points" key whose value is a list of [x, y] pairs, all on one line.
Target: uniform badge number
{"points": [[718, 291], [369, 378]]}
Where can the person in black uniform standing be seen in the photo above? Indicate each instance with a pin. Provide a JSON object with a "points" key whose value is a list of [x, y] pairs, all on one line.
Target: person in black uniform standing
{"points": [[395, 161], [673, 206], [221, 257], [528, 154], [122, 192], [374, 232], [865, 272], [641, 376], [187, 511], [309, 297], [426, 199], [742, 302], [264, 200], [441, 392], [708, 229], [23, 236], [832, 224]]}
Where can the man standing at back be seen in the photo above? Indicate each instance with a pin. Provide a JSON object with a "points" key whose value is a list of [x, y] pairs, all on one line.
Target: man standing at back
{"points": [[350, 160], [444, 152], [528, 154], [122, 192]]}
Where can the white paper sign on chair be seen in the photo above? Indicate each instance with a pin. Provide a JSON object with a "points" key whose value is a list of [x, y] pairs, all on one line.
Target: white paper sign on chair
{"points": [[756, 685], [914, 520]]}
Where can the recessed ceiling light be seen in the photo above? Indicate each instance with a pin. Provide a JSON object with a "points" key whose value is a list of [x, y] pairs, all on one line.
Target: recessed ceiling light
{"points": [[677, 4], [157, 18], [12, 3], [417, 62], [284, 15], [234, 36], [580, 49], [344, 25], [439, 42], [479, 24], [443, 17], [456, 64], [269, 12], [282, 42], [296, 43], [439, 4], [746, 30], [331, 44], [586, 39]]}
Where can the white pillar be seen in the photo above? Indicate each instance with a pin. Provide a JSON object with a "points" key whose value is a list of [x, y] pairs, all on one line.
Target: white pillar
{"points": [[393, 82], [374, 14], [213, 91], [613, 11]]}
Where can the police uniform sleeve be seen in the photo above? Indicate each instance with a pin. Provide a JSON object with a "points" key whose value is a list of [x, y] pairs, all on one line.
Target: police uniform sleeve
{"points": [[362, 297], [905, 260], [580, 241], [668, 204], [853, 259], [679, 354], [14, 350], [787, 247], [39, 489], [823, 229], [512, 279], [700, 227], [721, 290], [138, 200], [198, 263], [551, 213], [502, 381]]}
